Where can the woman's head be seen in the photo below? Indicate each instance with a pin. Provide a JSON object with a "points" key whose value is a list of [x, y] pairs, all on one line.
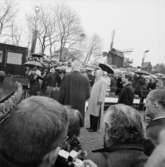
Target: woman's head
{"points": [[75, 121], [122, 125], [38, 125]]}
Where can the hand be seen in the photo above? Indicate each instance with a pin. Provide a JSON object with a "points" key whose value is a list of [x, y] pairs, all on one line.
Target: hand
{"points": [[89, 163]]}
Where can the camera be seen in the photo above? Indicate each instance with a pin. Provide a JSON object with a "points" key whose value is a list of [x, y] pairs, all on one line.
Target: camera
{"points": [[68, 159]]}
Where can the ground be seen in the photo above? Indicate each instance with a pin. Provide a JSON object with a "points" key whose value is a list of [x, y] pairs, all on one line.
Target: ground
{"points": [[91, 140]]}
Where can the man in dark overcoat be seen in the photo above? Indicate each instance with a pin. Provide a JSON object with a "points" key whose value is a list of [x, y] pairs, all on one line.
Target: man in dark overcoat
{"points": [[75, 90], [127, 94]]}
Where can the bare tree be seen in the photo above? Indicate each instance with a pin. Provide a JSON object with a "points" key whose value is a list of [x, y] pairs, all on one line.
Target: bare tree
{"points": [[94, 48], [52, 38], [56, 29], [68, 27], [44, 33], [15, 34], [7, 14], [41, 24]]}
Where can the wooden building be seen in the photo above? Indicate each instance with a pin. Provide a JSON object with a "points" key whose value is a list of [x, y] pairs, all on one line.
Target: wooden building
{"points": [[115, 57], [12, 59]]}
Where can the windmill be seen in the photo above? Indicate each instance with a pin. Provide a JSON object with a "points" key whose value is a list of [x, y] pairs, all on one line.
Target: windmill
{"points": [[116, 56], [113, 37], [126, 51], [144, 57]]}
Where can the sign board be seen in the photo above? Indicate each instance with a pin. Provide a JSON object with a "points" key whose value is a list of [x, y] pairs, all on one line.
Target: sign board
{"points": [[14, 58]]}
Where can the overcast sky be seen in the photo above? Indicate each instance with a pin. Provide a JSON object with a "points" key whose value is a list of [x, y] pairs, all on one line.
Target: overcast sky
{"points": [[139, 24]]}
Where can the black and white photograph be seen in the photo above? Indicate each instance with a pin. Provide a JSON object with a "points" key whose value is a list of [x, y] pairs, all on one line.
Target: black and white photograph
{"points": [[82, 83]]}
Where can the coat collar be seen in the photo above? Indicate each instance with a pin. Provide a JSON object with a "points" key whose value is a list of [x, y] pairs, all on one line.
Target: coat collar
{"points": [[157, 122], [113, 148]]}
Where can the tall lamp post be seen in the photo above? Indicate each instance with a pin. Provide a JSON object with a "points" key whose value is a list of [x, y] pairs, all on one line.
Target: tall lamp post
{"points": [[144, 56], [35, 31]]}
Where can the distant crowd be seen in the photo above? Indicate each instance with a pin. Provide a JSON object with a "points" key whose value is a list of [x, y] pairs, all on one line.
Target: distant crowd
{"points": [[48, 82]]}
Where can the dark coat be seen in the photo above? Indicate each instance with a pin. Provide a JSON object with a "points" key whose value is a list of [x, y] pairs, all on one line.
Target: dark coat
{"points": [[154, 128], [151, 86], [140, 86], [34, 85], [52, 79], [119, 85], [127, 95], [6, 161], [74, 91], [120, 156]]}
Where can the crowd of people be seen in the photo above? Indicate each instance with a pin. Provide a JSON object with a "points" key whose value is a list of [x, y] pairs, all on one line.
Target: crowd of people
{"points": [[43, 129]]}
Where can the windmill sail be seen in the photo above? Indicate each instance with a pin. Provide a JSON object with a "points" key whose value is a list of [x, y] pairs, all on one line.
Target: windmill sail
{"points": [[113, 36]]}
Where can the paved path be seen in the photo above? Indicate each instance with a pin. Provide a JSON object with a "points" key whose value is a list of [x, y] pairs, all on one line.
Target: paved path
{"points": [[91, 140]]}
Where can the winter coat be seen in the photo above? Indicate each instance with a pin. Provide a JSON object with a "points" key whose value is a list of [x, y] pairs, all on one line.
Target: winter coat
{"points": [[127, 95], [74, 91], [129, 155], [34, 85], [98, 93]]}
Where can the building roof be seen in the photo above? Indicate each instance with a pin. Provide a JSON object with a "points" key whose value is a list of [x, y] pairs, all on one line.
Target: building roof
{"points": [[11, 46]]}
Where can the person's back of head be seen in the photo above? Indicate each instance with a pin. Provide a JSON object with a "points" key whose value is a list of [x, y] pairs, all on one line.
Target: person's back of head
{"points": [[123, 138], [37, 126], [76, 65], [75, 120], [123, 125]]}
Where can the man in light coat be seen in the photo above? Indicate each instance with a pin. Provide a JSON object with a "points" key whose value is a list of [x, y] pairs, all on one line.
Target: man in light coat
{"points": [[96, 101]]}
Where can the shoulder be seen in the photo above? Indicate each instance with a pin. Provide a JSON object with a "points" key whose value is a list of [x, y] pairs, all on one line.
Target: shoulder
{"points": [[82, 77], [98, 158]]}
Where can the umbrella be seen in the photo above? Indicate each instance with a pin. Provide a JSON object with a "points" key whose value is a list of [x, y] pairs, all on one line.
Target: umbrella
{"points": [[33, 63], [106, 67], [142, 72], [37, 55]]}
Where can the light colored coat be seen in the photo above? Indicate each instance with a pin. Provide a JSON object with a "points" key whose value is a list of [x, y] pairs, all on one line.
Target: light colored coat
{"points": [[98, 93]]}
